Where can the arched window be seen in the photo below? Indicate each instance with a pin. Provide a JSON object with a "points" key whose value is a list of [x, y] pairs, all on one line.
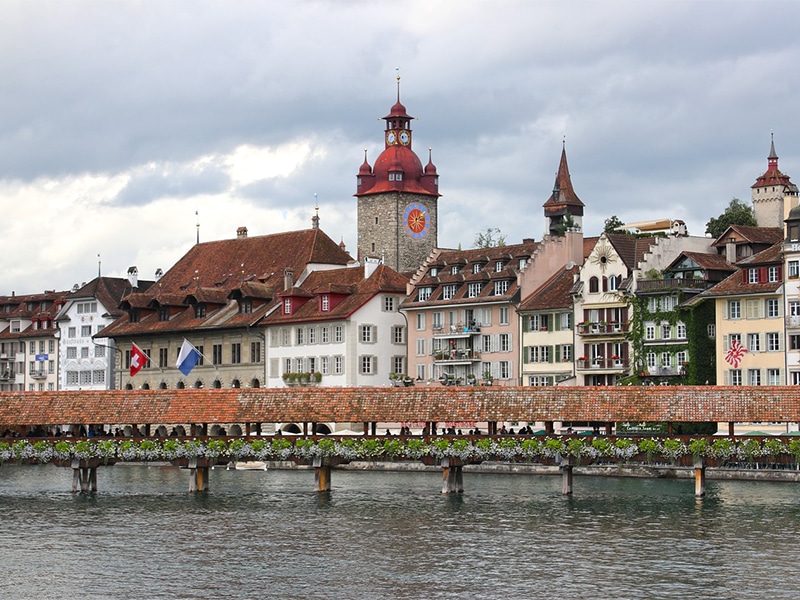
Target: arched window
{"points": [[594, 285], [181, 385], [255, 383]]}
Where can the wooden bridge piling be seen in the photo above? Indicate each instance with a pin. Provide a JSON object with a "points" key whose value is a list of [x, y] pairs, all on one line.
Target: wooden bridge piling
{"points": [[198, 476], [322, 475], [566, 468], [452, 476], [699, 477], [84, 478]]}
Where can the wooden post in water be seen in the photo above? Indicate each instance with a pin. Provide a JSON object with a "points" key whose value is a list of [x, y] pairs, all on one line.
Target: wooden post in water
{"points": [[567, 464], [699, 477], [322, 474], [83, 477], [452, 476], [198, 476]]}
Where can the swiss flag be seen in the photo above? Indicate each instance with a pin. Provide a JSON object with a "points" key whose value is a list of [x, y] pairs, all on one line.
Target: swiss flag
{"points": [[138, 359]]}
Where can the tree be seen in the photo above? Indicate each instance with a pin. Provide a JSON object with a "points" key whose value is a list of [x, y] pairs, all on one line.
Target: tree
{"points": [[492, 238], [737, 213], [612, 223]]}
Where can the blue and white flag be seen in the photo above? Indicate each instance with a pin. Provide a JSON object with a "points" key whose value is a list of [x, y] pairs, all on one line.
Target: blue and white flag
{"points": [[187, 357]]}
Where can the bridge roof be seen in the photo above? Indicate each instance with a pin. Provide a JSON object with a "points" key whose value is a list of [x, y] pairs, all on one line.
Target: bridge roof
{"points": [[412, 404]]}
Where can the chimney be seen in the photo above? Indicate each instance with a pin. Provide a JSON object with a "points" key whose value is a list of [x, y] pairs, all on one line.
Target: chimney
{"points": [[241, 232], [288, 279], [159, 273], [133, 276], [370, 266], [730, 250]]}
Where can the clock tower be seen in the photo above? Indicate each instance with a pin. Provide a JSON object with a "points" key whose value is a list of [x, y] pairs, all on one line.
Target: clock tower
{"points": [[397, 199]]}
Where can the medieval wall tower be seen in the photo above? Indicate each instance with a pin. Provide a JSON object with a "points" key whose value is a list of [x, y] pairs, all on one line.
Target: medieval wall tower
{"points": [[397, 199]]}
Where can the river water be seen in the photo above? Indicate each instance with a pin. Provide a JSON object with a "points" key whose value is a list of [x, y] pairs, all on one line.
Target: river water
{"points": [[392, 535]]}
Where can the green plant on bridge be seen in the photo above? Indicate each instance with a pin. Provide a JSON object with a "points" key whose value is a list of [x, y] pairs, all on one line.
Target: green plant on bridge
{"points": [[371, 448], [673, 448], [392, 448], [722, 449], [774, 448], [416, 449], [575, 447], [698, 447], [649, 447], [531, 448], [281, 448], [794, 450], [553, 446], [603, 446]]}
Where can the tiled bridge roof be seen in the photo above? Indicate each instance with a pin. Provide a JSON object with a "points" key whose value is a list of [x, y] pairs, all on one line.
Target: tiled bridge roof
{"points": [[412, 404]]}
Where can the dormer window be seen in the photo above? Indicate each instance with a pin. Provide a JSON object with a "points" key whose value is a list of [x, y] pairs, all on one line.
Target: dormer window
{"points": [[246, 306], [134, 315], [501, 287], [454, 270], [287, 306], [163, 313], [499, 266], [424, 294], [325, 303], [200, 311], [434, 271], [448, 292], [476, 268]]}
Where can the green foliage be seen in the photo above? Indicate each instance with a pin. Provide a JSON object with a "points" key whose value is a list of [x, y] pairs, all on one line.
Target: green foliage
{"points": [[611, 224], [737, 213], [491, 238], [566, 223]]}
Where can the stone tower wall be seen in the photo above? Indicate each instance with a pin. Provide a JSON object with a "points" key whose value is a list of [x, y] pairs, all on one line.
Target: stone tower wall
{"points": [[381, 231]]}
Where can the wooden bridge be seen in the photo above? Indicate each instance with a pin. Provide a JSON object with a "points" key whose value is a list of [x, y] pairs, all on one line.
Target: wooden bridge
{"points": [[21, 412]]}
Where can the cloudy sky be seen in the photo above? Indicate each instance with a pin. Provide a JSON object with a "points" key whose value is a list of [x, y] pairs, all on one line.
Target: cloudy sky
{"points": [[122, 121]]}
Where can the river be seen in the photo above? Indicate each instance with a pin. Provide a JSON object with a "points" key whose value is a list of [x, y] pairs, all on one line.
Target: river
{"points": [[392, 535]]}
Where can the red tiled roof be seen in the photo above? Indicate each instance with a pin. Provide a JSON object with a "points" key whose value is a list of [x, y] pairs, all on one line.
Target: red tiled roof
{"points": [[553, 293], [751, 234], [414, 404], [736, 285], [359, 291], [251, 265], [631, 248], [487, 258], [566, 193]]}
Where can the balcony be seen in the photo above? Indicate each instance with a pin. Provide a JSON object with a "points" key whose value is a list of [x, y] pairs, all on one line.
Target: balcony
{"points": [[793, 321], [457, 356], [603, 364], [455, 331], [6, 375], [586, 328], [38, 374], [653, 285]]}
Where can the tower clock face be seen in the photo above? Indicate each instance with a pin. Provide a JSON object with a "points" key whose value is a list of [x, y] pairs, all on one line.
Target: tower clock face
{"points": [[405, 138], [416, 220]]}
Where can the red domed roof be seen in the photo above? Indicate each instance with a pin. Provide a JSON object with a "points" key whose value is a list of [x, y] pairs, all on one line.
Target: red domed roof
{"points": [[398, 110]]}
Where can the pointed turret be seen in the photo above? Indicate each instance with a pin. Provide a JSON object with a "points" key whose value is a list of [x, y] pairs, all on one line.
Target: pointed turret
{"points": [[563, 208], [773, 193]]}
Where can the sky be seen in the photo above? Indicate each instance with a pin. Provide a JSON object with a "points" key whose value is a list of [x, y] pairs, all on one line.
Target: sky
{"points": [[125, 124]]}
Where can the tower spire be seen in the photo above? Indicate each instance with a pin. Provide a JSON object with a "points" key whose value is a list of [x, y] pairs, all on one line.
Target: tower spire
{"points": [[397, 70]]}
